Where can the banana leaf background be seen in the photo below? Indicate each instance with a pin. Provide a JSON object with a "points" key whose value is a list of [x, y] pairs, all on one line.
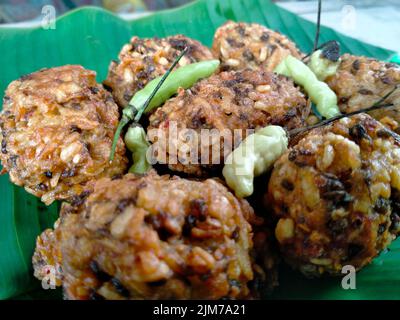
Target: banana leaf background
{"points": [[93, 37]]}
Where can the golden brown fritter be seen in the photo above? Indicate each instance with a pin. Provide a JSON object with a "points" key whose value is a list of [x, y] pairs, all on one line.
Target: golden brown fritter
{"points": [[228, 104], [336, 196], [360, 82], [242, 45], [47, 255], [156, 237], [56, 128], [142, 60]]}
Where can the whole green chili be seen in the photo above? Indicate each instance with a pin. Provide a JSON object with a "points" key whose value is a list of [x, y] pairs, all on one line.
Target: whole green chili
{"points": [[136, 142], [184, 77], [319, 92]]}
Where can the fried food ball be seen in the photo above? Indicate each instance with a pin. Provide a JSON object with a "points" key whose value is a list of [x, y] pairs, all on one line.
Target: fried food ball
{"points": [[142, 60], [360, 82], [153, 237], [47, 256], [242, 45], [228, 104], [56, 129], [336, 196]]}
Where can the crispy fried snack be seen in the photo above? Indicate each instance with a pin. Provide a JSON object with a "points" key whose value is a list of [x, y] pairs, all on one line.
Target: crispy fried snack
{"points": [[56, 129], [155, 237], [242, 45], [47, 255], [142, 60], [336, 196], [360, 82], [227, 104]]}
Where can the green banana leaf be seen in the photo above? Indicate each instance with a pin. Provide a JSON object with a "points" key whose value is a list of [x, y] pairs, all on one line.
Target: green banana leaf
{"points": [[93, 37]]}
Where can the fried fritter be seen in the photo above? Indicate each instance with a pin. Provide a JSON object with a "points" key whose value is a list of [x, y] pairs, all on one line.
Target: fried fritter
{"points": [[242, 45], [142, 60], [47, 255], [56, 128], [227, 104], [156, 237], [360, 82], [336, 196]]}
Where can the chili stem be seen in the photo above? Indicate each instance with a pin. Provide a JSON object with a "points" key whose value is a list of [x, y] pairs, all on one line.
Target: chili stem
{"points": [[377, 105], [124, 121]]}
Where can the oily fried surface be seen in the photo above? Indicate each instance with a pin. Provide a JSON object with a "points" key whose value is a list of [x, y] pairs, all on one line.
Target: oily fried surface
{"points": [[157, 237], [46, 259], [242, 45], [142, 60], [56, 128], [360, 82], [336, 196], [226, 104]]}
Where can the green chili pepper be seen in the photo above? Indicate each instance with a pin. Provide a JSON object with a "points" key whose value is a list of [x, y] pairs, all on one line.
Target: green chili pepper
{"points": [[253, 157], [136, 142], [184, 77], [319, 92]]}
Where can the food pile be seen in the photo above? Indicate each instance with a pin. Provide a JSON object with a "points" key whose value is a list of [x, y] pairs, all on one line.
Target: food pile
{"points": [[154, 209]]}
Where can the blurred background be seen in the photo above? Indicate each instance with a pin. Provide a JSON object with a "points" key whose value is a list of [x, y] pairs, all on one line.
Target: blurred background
{"points": [[373, 21]]}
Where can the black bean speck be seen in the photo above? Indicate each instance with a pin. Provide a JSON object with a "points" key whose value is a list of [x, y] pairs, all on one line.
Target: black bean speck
{"points": [[3, 146], [241, 30], [248, 55], [120, 288], [94, 90], [178, 44], [387, 80], [235, 233], [41, 187], [331, 51], [117, 177], [199, 209], [381, 228], [264, 37], [288, 185], [353, 250], [79, 199], [48, 174], [190, 223], [95, 296], [343, 100], [155, 220], [67, 173], [125, 203], [234, 283], [337, 227], [75, 128], [356, 64], [157, 283], [382, 205], [358, 132], [365, 92], [99, 274], [292, 155], [127, 96], [384, 133], [13, 161]]}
